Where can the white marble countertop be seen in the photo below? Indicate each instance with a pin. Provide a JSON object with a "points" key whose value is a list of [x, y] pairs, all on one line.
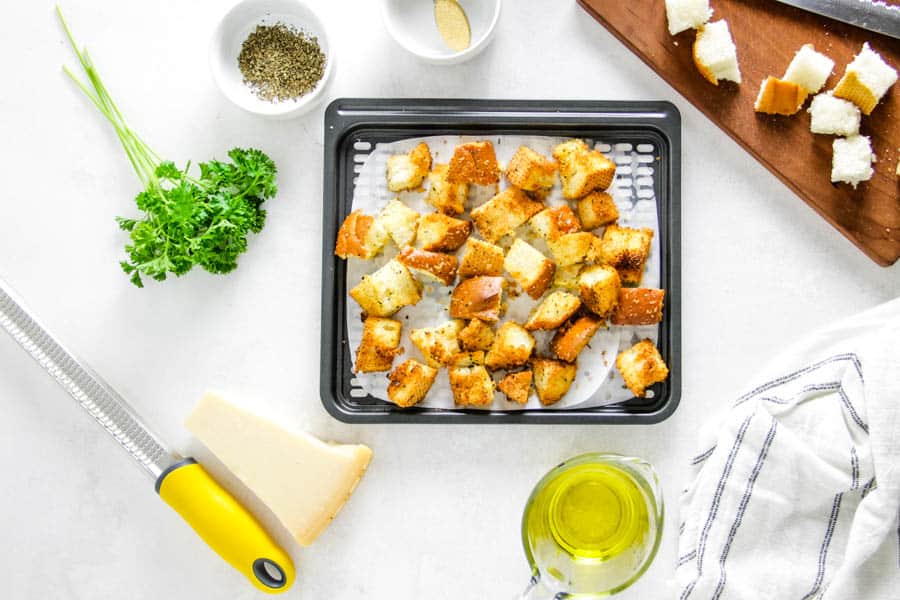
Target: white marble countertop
{"points": [[437, 515]]}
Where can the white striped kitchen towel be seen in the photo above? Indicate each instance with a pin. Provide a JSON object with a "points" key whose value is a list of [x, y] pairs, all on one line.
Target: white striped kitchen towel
{"points": [[795, 492]]}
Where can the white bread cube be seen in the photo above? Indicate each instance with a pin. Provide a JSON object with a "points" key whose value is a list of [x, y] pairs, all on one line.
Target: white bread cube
{"points": [[866, 80], [686, 14], [380, 344], [410, 382], [406, 171], [400, 221], [852, 160], [448, 198], [512, 347], [715, 53], [387, 290], [553, 311], [809, 69], [834, 116], [438, 344], [531, 269]]}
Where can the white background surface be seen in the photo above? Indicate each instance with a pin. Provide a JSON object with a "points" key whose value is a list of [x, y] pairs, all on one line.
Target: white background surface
{"points": [[437, 515]]}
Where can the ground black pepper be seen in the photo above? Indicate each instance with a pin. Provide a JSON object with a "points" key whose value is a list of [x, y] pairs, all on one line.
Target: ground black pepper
{"points": [[279, 62]]}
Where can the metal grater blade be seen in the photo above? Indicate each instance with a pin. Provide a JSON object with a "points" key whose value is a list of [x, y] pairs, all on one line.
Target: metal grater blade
{"points": [[96, 396]]}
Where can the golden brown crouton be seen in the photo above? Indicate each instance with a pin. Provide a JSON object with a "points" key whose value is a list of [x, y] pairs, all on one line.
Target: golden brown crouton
{"points": [[474, 162], [468, 359], [481, 258], [360, 235], [641, 366], [639, 306], [448, 198], [531, 171], [380, 344], [599, 288], [433, 265], [516, 386], [552, 379], [438, 344], [400, 221], [567, 277], [512, 347], [551, 223], [387, 290], [575, 248], [597, 209], [471, 386], [477, 298], [504, 212], [410, 382], [581, 169], [406, 171], [531, 269], [442, 233], [627, 249], [477, 335], [571, 340], [553, 311]]}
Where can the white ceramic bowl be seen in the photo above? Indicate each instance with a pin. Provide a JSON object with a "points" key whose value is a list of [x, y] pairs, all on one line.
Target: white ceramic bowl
{"points": [[411, 24], [234, 28]]}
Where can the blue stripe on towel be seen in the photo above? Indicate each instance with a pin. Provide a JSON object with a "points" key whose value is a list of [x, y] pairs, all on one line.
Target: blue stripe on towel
{"points": [[823, 551], [800, 372], [703, 456], [854, 468]]}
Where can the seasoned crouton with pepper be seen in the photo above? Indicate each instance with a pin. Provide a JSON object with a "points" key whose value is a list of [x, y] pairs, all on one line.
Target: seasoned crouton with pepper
{"points": [[641, 366], [599, 287], [551, 223], [435, 266], [380, 344], [471, 386], [360, 235], [500, 215], [597, 209], [410, 382], [477, 335], [516, 386], [448, 198], [468, 359], [400, 221], [474, 162], [627, 250], [531, 171], [406, 171], [639, 306], [511, 348], [477, 298], [531, 269], [441, 233], [569, 341], [481, 258], [553, 311], [387, 290], [575, 248], [552, 379], [567, 277], [582, 170], [438, 344]]}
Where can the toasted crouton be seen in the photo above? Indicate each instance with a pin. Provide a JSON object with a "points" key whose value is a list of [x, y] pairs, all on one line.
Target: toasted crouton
{"points": [[599, 288], [641, 366], [552, 379], [551, 223], [477, 298], [596, 210], [779, 97], [567, 277], [571, 340], [474, 162], [512, 347], [360, 235], [504, 212], [400, 221], [516, 386], [627, 249], [387, 290], [410, 382], [639, 306], [442, 233], [468, 359], [531, 269], [448, 198], [481, 258], [530, 171], [380, 344], [553, 311], [471, 386], [582, 170], [438, 344], [477, 335], [575, 248], [436, 266], [406, 171]]}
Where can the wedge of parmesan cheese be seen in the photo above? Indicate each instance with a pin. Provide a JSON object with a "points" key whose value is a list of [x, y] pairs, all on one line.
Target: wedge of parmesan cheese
{"points": [[303, 480]]}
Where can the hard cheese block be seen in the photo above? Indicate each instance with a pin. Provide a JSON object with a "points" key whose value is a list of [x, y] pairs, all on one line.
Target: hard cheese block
{"points": [[302, 480]]}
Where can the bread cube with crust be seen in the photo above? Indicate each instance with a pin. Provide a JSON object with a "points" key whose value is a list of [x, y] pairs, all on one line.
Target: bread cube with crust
{"points": [[400, 221], [477, 298], [360, 235], [569, 341], [567, 277], [387, 290], [441, 233], [511, 348], [715, 54], [596, 210], [867, 79], [474, 162], [531, 171], [406, 171], [575, 248], [581, 169], [438, 344], [627, 250], [434, 266], [553, 311], [599, 288], [380, 344], [468, 359], [481, 258], [477, 335], [410, 382], [500, 215], [552, 379], [641, 366], [531, 269], [553, 222], [448, 198], [639, 306], [516, 386], [779, 97], [471, 386]]}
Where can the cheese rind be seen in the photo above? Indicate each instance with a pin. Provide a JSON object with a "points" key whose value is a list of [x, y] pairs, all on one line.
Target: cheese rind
{"points": [[303, 480]]}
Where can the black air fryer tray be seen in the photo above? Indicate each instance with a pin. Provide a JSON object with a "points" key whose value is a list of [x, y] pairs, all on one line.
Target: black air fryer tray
{"points": [[351, 122]]}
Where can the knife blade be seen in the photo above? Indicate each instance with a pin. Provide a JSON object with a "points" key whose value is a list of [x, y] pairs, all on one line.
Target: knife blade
{"points": [[873, 15]]}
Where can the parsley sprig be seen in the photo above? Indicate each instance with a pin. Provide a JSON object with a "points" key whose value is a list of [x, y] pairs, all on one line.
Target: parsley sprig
{"points": [[187, 221]]}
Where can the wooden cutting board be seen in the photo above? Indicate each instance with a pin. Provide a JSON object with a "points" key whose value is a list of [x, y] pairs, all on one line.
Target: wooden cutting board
{"points": [[767, 34]]}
